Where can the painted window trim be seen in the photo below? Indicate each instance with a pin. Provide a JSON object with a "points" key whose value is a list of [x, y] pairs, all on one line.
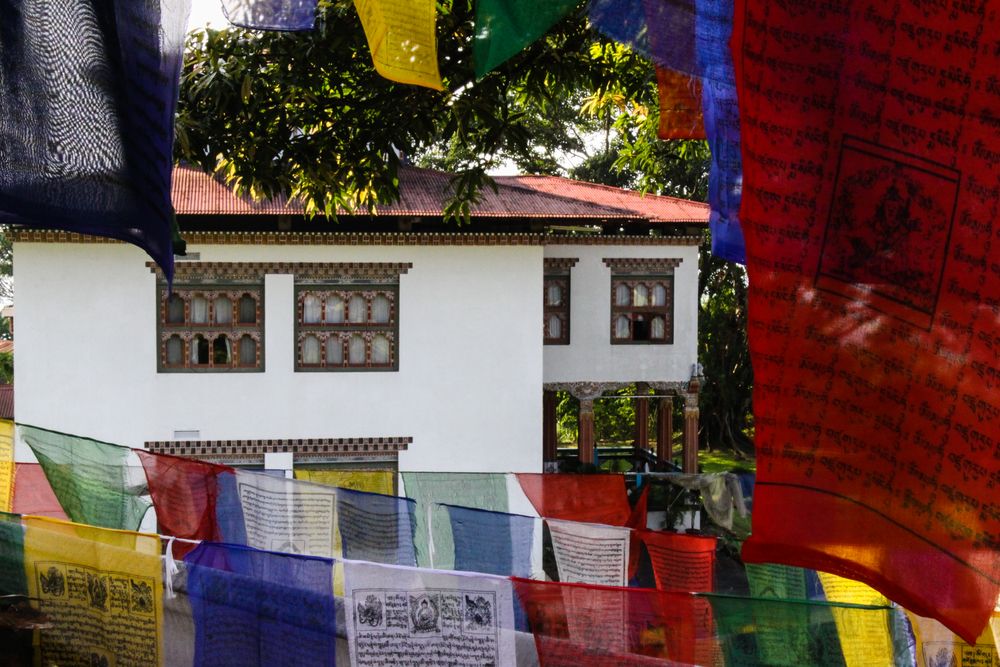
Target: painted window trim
{"points": [[557, 269], [633, 271], [188, 331], [345, 330]]}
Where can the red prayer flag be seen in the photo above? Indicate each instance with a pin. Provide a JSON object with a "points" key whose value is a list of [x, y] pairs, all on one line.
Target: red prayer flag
{"points": [[33, 494], [682, 563], [871, 163], [686, 564], [680, 106], [637, 520], [588, 498], [580, 624], [184, 493]]}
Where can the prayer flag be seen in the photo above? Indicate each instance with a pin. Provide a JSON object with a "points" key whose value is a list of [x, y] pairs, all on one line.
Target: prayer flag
{"points": [[583, 625], [285, 515], [405, 616], [229, 510], [793, 635], [871, 150], [493, 542], [17, 645], [101, 589], [692, 37], [6, 464], [87, 98], [748, 627], [402, 39], [683, 563], [590, 498], [376, 528], [184, 493], [588, 553], [271, 14], [12, 579], [864, 639], [937, 645], [33, 493], [680, 105], [487, 491], [90, 478], [260, 608], [504, 28], [373, 481]]}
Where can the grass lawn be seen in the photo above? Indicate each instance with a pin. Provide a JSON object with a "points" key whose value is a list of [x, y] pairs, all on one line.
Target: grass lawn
{"points": [[724, 461]]}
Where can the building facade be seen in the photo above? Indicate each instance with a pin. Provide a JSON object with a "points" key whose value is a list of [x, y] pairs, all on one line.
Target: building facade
{"points": [[390, 340]]}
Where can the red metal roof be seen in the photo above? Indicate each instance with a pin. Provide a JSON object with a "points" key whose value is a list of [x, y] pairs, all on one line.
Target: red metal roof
{"points": [[655, 208], [424, 191]]}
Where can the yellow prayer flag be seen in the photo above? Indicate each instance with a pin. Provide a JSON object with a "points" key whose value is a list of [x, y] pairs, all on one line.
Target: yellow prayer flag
{"points": [[6, 464], [937, 645], [402, 40], [101, 589], [995, 627], [373, 481], [865, 639]]}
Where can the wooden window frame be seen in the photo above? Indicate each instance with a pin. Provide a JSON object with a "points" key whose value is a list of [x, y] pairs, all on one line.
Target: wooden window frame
{"points": [[557, 270], [562, 311], [633, 313], [341, 332], [187, 330]]}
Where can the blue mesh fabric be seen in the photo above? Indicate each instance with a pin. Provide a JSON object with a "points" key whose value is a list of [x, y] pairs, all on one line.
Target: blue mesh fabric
{"points": [[88, 90], [284, 15]]}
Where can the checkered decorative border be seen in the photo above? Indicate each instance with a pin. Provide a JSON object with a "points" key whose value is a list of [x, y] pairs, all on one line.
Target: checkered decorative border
{"points": [[640, 265], [303, 448], [25, 235]]}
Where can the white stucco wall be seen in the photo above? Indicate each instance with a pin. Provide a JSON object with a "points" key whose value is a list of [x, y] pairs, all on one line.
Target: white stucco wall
{"points": [[468, 389], [590, 356]]}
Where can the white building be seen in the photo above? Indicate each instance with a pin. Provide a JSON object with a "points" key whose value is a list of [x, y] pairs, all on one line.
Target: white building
{"points": [[389, 340]]}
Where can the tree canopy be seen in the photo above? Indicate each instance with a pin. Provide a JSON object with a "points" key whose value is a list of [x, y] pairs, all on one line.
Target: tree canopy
{"points": [[306, 114]]}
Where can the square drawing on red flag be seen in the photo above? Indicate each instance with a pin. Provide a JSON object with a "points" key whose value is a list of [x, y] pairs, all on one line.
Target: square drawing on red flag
{"points": [[887, 235]]}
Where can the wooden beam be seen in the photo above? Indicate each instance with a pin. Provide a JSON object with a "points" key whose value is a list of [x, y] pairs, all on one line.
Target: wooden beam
{"points": [[585, 443], [550, 440], [665, 429]]}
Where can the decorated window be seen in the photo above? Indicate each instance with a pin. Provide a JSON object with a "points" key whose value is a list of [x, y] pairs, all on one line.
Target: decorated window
{"points": [[642, 304], [207, 323], [351, 326], [555, 299]]}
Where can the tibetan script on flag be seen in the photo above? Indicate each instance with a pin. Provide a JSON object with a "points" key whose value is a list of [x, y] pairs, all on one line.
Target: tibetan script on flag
{"points": [[872, 185]]}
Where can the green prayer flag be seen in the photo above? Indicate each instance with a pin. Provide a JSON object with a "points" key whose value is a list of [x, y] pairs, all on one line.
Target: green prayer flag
{"points": [[12, 576], [506, 27], [485, 491], [748, 629], [90, 478], [778, 643]]}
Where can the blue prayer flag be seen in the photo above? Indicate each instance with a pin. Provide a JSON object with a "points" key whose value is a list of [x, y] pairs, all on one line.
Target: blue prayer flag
{"points": [[285, 15], [492, 542], [376, 527], [256, 607]]}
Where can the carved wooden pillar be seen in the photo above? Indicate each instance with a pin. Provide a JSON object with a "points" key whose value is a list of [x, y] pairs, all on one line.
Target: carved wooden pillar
{"points": [[549, 436], [690, 458], [585, 443], [641, 417], [665, 429]]}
